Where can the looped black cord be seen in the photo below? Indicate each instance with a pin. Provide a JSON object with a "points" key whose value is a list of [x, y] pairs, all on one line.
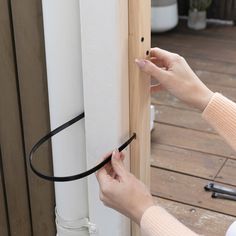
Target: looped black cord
{"points": [[72, 177]]}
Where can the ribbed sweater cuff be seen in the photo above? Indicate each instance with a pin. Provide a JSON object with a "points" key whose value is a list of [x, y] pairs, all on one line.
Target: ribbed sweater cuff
{"points": [[156, 221], [220, 113]]}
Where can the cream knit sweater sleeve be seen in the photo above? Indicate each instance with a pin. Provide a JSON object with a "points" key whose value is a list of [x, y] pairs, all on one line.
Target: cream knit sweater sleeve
{"points": [[221, 114]]}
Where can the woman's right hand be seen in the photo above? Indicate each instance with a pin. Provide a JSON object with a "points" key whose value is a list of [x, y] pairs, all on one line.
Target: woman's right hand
{"points": [[175, 75]]}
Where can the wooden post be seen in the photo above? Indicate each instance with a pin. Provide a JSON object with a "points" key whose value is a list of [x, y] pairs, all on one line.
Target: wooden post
{"points": [[139, 45]]}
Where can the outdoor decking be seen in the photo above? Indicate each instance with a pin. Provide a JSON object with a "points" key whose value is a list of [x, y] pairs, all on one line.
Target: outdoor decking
{"points": [[186, 152]]}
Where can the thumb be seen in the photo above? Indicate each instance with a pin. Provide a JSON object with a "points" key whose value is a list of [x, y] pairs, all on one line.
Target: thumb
{"points": [[151, 69], [117, 164]]}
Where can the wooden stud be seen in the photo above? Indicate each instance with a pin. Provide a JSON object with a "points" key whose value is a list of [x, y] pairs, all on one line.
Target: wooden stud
{"points": [[139, 45]]}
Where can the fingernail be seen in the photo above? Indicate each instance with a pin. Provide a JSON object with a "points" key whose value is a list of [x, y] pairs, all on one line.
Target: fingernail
{"points": [[114, 153], [141, 63]]}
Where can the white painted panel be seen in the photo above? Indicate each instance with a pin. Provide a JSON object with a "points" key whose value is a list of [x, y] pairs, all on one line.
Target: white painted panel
{"points": [[104, 27]]}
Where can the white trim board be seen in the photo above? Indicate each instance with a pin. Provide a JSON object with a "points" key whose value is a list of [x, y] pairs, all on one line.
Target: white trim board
{"points": [[104, 38]]}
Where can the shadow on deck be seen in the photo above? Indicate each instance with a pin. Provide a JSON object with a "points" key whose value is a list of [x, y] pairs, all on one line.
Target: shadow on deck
{"points": [[186, 152]]}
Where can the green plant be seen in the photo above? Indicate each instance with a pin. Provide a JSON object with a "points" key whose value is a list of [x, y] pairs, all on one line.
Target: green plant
{"points": [[200, 5]]}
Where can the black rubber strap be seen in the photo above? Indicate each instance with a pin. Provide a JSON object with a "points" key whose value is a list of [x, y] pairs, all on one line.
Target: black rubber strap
{"points": [[72, 177]]}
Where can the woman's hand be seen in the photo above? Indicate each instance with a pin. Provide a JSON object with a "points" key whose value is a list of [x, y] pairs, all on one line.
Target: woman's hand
{"points": [[121, 191], [174, 74]]}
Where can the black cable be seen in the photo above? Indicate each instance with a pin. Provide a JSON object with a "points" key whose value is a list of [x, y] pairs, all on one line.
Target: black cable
{"points": [[72, 177]]}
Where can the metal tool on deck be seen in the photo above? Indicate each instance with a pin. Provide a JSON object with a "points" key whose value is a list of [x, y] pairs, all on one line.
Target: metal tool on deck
{"points": [[221, 192]]}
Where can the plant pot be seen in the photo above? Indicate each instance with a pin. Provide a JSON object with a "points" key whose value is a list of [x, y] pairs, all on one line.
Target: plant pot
{"points": [[164, 15], [197, 19]]}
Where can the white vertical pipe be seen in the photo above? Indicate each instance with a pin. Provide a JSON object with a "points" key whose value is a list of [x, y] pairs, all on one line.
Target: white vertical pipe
{"points": [[65, 87]]}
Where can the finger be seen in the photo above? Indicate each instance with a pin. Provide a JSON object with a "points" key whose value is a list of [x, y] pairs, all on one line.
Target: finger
{"points": [[151, 69], [122, 156], [156, 88], [117, 164], [108, 165], [161, 55], [102, 173], [157, 62], [103, 158], [102, 176], [113, 174]]}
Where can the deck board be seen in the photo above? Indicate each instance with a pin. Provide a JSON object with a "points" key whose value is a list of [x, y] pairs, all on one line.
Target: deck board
{"points": [[182, 118], [214, 224], [186, 161], [189, 190], [192, 140], [177, 42], [186, 152]]}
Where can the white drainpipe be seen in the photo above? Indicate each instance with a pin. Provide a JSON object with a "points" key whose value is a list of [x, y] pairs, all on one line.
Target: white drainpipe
{"points": [[65, 88]]}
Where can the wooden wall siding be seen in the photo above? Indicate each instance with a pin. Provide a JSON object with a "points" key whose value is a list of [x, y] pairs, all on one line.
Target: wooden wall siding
{"points": [[29, 44], [24, 118], [4, 229], [220, 9], [11, 133]]}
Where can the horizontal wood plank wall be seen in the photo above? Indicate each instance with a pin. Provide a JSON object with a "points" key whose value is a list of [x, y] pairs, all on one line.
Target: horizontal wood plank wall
{"points": [[3, 211], [11, 134], [139, 46], [28, 31]]}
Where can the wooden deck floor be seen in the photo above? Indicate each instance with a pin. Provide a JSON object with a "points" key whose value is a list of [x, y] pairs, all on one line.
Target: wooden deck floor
{"points": [[186, 152]]}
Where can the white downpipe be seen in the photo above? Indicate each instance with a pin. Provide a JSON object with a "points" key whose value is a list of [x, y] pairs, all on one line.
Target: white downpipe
{"points": [[65, 87]]}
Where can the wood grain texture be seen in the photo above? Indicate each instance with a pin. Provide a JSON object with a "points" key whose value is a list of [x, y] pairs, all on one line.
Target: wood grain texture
{"points": [[13, 158], [139, 27], [177, 42], [220, 79], [186, 161], [228, 173], [198, 56], [3, 210], [182, 118], [28, 30], [203, 222], [188, 190], [165, 98], [211, 65], [192, 140], [3, 217]]}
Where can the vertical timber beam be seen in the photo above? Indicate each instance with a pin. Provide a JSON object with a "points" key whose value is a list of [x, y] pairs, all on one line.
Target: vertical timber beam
{"points": [[139, 45]]}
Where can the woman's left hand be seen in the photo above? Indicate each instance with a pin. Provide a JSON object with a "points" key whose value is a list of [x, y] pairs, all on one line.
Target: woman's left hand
{"points": [[121, 190]]}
